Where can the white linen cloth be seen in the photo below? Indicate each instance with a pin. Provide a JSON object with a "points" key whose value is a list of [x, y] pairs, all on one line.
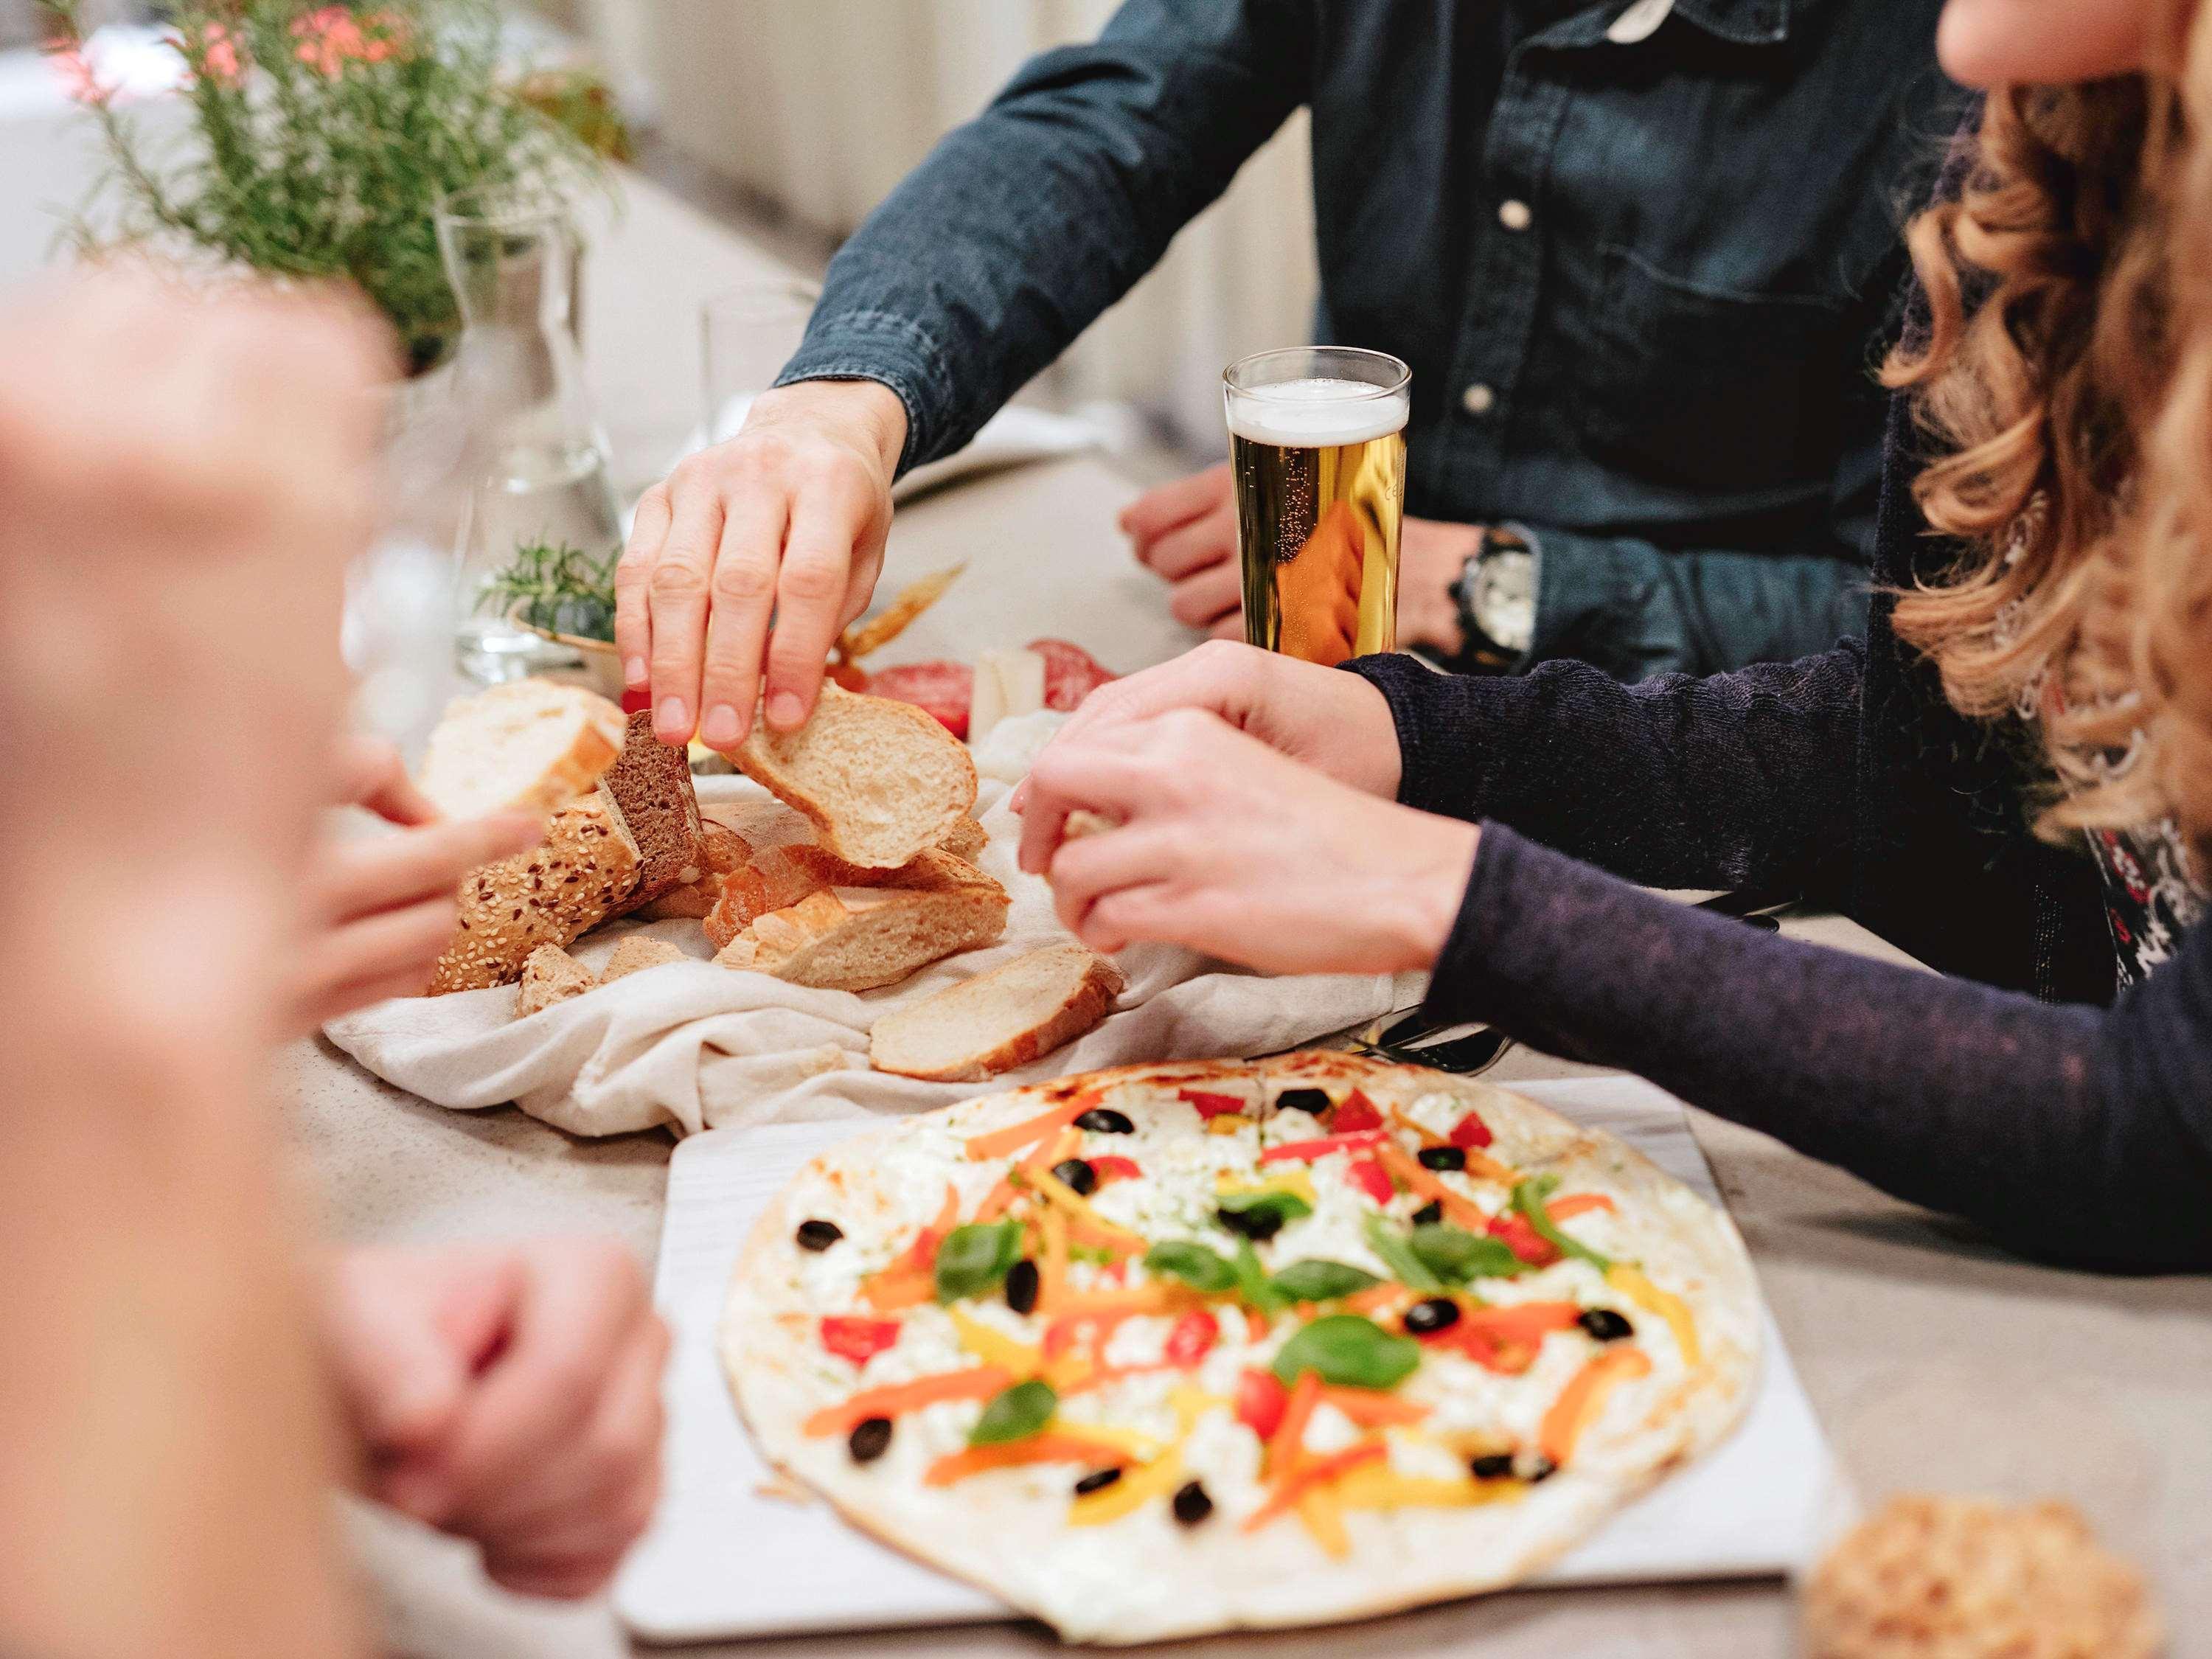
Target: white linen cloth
{"points": [[699, 1047]]}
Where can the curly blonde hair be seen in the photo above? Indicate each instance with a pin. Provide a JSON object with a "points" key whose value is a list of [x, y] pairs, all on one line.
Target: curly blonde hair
{"points": [[2066, 382]]}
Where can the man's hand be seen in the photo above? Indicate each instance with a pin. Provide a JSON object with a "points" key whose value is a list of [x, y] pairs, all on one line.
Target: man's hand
{"points": [[1186, 532], [506, 1393], [785, 521], [380, 909], [1221, 843]]}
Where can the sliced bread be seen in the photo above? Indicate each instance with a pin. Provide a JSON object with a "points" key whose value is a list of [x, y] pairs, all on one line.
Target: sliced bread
{"points": [[881, 780], [780, 876], [1019, 1011], [550, 975], [860, 938], [528, 744], [647, 792], [553, 894], [727, 853], [637, 953], [965, 839]]}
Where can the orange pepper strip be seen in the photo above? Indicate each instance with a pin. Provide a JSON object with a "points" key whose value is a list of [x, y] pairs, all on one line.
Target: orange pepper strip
{"points": [[997, 1202], [1478, 1162], [1583, 1398], [1574, 1204], [1139, 1299], [978, 1383], [1426, 1136], [1412, 1176], [1295, 1483], [889, 1291], [1522, 1321], [1037, 1449], [1372, 1410], [1256, 1325], [1106, 1237], [1051, 1150], [1015, 1136], [1375, 1298], [1283, 1451]]}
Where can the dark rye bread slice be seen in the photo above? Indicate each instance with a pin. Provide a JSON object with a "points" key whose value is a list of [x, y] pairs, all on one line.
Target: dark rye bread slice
{"points": [[553, 894], [647, 792]]}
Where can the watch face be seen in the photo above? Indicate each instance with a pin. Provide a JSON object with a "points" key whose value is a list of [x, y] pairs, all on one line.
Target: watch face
{"points": [[1504, 596]]}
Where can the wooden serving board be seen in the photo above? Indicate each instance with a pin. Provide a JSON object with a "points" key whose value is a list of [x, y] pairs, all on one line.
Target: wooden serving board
{"points": [[724, 1558]]}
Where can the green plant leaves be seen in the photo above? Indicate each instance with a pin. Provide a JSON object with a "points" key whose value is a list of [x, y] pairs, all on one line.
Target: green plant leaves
{"points": [[1348, 1351], [973, 1259], [1457, 1255], [1528, 1198], [1321, 1281], [1015, 1413], [1397, 1251], [1192, 1263]]}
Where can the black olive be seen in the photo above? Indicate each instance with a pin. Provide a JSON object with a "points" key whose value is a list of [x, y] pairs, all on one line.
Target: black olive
{"points": [[1438, 1313], [1604, 1325], [1258, 1225], [1428, 1215], [1494, 1466], [1443, 1157], [1021, 1286], [1105, 1121], [1191, 1504], [1077, 1174], [870, 1440], [818, 1235], [1097, 1481], [1315, 1101], [1539, 1468]]}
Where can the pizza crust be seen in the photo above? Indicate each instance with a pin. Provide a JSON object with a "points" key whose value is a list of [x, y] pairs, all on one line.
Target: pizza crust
{"points": [[1143, 1577]]}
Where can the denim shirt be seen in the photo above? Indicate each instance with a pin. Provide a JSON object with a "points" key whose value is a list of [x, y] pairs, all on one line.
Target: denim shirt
{"points": [[1640, 257]]}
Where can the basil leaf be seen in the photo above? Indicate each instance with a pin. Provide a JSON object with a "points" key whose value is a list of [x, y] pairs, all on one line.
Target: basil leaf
{"points": [[1321, 1281], [1456, 1255], [1408, 1269], [1253, 1285], [1528, 1198], [1196, 1265], [975, 1258], [1282, 1205], [1015, 1413], [1349, 1351]]}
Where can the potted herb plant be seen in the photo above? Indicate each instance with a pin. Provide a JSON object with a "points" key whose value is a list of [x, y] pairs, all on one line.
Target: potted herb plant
{"points": [[567, 595]]}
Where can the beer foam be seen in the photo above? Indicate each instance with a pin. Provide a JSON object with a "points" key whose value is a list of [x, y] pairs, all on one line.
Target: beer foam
{"points": [[1312, 414]]}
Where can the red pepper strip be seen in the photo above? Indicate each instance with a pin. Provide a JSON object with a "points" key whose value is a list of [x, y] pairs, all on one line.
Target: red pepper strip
{"points": [[1470, 1131], [858, 1340], [1260, 1398], [1296, 1483], [1306, 1152], [1372, 1179], [1191, 1338], [1288, 1443], [1354, 1112], [1574, 1204], [1114, 1167], [1522, 1239], [1212, 1105]]}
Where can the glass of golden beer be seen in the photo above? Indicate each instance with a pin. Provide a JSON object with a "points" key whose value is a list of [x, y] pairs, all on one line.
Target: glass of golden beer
{"points": [[1318, 447]]}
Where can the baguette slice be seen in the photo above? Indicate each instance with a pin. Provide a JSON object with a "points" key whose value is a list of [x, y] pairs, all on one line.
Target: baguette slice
{"points": [[1019, 1011], [881, 780], [965, 839], [529, 744], [648, 792], [780, 876], [727, 853], [637, 954], [860, 938], [550, 975], [551, 895]]}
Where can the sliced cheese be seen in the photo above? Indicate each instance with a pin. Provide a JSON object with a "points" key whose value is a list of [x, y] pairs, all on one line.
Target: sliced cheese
{"points": [[1008, 684]]}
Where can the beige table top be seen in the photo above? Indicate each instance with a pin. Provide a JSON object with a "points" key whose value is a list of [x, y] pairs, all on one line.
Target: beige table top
{"points": [[1932, 1360]]}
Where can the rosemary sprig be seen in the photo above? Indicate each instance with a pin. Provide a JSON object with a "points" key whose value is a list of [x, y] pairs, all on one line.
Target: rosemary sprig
{"points": [[560, 589]]}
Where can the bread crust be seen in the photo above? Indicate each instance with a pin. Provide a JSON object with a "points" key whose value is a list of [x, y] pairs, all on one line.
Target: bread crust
{"points": [[648, 791], [553, 894], [550, 975], [1091, 1001]]}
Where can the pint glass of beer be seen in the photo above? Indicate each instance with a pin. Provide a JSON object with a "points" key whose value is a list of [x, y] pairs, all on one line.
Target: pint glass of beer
{"points": [[1318, 447]]}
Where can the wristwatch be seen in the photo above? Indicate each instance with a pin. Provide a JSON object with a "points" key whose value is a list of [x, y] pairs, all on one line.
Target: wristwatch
{"points": [[1495, 598]]}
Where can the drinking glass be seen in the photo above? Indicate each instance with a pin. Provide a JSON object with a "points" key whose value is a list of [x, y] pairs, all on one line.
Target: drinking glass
{"points": [[745, 337], [1317, 450]]}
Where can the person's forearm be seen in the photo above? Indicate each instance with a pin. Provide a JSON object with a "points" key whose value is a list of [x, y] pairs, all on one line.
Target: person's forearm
{"points": [[1741, 780], [1026, 223], [2047, 1125]]}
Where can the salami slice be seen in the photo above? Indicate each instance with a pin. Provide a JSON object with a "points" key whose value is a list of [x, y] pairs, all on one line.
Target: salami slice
{"points": [[1071, 673], [942, 689]]}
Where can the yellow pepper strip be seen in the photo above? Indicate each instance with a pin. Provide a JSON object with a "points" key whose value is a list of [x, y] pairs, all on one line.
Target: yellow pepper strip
{"points": [[1140, 1446], [1632, 1283], [1132, 1491], [1065, 1199], [1189, 1402], [1290, 1181], [1324, 1518], [1227, 1124], [1377, 1487], [995, 1347]]}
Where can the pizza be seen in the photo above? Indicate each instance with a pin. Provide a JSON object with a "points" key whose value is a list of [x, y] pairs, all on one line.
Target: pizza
{"points": [[1181, 1348]]}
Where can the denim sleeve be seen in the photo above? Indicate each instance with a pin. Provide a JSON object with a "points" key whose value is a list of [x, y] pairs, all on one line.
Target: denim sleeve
{"points": [[1025, 224], [1742, 780], [2069, 1131]]}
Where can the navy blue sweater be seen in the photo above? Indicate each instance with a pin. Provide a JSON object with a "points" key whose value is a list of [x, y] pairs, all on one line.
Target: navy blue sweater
{"points": [[2012, 1091]]}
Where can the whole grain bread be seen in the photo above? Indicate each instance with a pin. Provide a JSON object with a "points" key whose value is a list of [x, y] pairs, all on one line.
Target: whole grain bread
{"points": [[860, 938], [572, 881], [1019, 1011], [881, 780], [550, 975], [647, 791]]}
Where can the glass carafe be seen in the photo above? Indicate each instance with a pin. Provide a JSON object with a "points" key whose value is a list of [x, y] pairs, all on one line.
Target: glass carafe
{"points": [[540, 458]]}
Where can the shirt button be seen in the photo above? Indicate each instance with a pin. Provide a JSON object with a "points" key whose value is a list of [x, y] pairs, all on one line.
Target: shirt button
{"points": [[1478, 400], [1515, 214]]}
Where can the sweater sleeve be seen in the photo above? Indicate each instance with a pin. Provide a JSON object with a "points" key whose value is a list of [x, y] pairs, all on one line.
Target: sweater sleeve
{"points": [[2069, 1131], [1742, 780]]}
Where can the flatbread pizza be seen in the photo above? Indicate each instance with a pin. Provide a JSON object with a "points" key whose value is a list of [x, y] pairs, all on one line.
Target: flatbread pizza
{"points": [[1183, 1348]]}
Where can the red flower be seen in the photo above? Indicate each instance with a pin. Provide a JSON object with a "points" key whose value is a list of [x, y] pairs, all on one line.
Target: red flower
{"points": [[333, 37], [79, 79], [215, 56]]}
